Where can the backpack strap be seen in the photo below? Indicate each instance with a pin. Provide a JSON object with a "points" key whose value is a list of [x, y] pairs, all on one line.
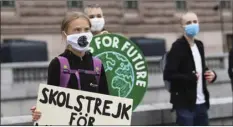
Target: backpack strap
{"points": [[78, 79], [64, 67], [65, 72], [163, 63], [97, 68]]}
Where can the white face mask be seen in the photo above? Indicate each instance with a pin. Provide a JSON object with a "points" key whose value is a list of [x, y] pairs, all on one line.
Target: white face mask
{"points": [[80, 41], [97, 24]]}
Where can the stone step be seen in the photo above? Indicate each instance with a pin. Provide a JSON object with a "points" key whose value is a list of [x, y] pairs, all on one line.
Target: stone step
{"points": [[37, 3], [160, 113], [159, 13], [162, 95], [20, 91], [160, 20], [17, 107], [42, 11], [207, 5], [220, 113], [112, 20], [213, 19], [105, 3], [112, 12], [32, 20], [10, 20], [41, 20], [159, 5]]}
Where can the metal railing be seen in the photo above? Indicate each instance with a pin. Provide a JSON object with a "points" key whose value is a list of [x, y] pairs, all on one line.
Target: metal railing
{"points": [[23, 75], [12, 73], [37, 71]]}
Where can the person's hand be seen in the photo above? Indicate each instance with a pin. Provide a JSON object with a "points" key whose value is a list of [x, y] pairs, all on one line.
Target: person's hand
{"points": [[209, 76], [35, 114]]}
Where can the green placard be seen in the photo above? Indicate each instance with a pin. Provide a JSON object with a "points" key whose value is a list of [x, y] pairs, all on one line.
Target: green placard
{"points": [[124, 64]]}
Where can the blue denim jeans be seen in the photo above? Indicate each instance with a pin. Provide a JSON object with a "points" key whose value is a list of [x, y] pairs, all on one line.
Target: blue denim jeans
{"points": [[196, 117]]}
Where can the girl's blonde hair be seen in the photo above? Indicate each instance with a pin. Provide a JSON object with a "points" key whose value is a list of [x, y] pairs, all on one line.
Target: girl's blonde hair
{"points": [[70, 17]]}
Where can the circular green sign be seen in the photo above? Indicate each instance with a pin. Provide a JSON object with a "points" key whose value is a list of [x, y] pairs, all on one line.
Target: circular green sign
{"points": [[124, 64]]}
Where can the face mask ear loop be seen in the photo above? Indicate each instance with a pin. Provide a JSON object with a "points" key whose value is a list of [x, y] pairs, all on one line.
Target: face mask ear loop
{"points": [[64, 33], [62, 37], [67, 45]]}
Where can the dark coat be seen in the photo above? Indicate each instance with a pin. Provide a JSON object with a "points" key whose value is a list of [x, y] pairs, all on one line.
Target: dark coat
{"points": [[181, 72]]}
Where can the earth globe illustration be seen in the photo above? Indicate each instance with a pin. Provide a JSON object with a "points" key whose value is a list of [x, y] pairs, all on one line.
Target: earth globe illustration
{"points": [[121, 69]]}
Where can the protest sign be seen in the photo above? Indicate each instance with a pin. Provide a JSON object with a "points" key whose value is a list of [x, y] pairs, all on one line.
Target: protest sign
{"points": [[64, 106], [124, 64]]}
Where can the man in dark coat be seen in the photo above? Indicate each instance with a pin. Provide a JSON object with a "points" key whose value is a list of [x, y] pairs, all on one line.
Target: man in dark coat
{"points": [[187, 72]]}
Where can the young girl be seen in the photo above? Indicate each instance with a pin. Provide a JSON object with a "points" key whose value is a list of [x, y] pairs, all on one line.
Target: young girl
{"points": [[76, 68]]}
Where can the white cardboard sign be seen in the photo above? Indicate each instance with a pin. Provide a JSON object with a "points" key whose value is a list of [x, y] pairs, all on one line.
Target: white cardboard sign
{"points": [[63, 106]]}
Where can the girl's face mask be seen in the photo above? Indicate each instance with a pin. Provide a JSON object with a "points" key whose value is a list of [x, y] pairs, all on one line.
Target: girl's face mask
{"points": [[80, 41]]}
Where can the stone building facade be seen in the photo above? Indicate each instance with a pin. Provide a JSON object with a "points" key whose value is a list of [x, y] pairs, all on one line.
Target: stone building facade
{"points": [[41, 19]]}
